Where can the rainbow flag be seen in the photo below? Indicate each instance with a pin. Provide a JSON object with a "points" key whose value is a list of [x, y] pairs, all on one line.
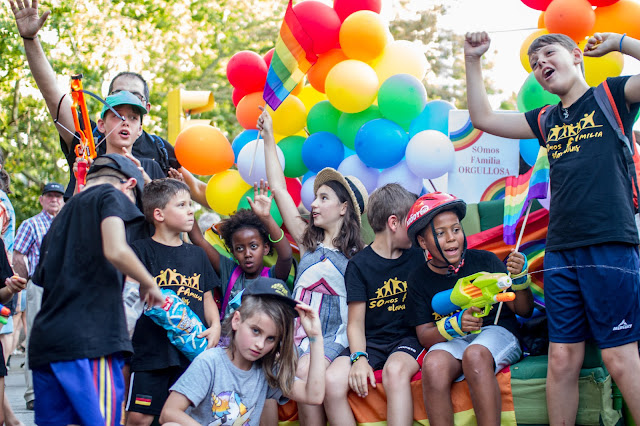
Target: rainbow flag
{"points": [[520, 190], [292, 58]]}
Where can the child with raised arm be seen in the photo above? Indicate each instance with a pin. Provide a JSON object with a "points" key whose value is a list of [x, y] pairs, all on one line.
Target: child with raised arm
{"points": [[250, 235], [183, 268], [79, 336], [327, 241], [591, 219], [379, 336], [229, 385], [454, 354]]}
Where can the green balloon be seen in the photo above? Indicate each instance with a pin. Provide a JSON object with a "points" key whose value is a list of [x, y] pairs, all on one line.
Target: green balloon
{"points": [[323, 117], [349, 124], [291, 147], [244, 204], [401, 98], [532, 95]]}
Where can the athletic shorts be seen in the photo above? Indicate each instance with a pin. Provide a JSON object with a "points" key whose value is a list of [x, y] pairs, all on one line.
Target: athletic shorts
{"points": [[502, 344], [379, 353], [599, 298], [149, 390], [8, 327], [79, 391]]}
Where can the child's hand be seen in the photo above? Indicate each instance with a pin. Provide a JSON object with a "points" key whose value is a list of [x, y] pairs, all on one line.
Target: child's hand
{"points": [[265, 124], [261, 203], [212, 334], [469, 322], [27, 19], [476, 44], [309, 320], [600, 44], [515, 262], [138, 164], [175, 174], [15, 284], [360, 372], [151, 296]]}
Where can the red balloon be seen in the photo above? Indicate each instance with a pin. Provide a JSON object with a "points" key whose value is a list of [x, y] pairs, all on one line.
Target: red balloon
{"points": [[537, 4], [267, 56], [602, 3], [237, 95], [321, 22], [247, 71], [345, 8], [293, 188]]}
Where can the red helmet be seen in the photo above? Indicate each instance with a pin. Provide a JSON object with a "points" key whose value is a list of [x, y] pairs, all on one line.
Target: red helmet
{"points": [[427, 207]]}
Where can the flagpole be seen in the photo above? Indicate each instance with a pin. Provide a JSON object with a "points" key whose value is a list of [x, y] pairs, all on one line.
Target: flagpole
{"points": [[524, 223]]}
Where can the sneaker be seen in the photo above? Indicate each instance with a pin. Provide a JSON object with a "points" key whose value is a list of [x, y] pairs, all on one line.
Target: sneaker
{"points": [[30, 405]]}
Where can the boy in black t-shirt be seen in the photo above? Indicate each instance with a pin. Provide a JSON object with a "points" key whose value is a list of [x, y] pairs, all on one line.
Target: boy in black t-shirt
{"points": [[379, 338], [79, 336], [183, 268], [591, 280], [434, 224]]}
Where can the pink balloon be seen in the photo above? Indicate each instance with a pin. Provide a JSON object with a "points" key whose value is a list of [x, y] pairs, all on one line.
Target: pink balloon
{"points": [[267, 56], [345, 8], [537, 4], [321, 22]]}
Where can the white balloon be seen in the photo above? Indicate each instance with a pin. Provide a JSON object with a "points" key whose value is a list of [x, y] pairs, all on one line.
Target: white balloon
{"points": [[306, 193], [246, 157], [401, 175], [430, 154]]}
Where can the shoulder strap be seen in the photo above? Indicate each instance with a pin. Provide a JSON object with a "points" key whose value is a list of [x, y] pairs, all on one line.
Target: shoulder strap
{"points": [[232, 282], [542, 123]]}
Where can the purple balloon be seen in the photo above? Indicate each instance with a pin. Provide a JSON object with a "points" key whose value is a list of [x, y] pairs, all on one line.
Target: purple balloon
{"points": [[401, 174], [306, 193], [353, 166]]}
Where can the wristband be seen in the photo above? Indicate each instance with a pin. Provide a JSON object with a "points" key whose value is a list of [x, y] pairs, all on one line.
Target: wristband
{"points": [[621, 38], [33, 38], [356, 356], [522, 286], [279, 239], [450, 327]]}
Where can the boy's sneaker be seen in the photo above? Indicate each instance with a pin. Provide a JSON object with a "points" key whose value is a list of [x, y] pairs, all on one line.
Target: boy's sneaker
{"points": [[30, 405]]}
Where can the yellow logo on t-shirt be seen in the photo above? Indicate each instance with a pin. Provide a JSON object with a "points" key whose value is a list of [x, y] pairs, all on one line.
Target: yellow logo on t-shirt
{"points": [[189, 287], [392, 295], [562, 139]]}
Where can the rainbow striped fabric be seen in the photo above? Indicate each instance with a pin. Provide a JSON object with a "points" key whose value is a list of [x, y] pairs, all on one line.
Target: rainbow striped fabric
{"points": [[292, 58], [520, 190]]}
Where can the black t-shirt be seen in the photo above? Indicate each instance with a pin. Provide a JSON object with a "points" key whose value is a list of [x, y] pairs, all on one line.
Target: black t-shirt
{"points": [[424, 284], [5, 272], [382, 284], [591, 192], [187, 271], [82, 313], [149, 149]]}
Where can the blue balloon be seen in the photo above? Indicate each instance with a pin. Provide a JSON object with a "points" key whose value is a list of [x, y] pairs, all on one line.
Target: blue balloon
{"points": [[353, 166], [529, 150], [381, 143], [401, 175], [241, 140], [307, 176], [434, 116], [306, 193], [322, 149]]}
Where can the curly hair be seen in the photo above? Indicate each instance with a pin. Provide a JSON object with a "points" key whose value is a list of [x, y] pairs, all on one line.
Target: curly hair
{"points": [[349, 240], [280, 364], [242, 219]]}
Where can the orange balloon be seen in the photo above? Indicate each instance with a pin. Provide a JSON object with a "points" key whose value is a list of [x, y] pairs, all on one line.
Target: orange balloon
{"points": [[203, 150], [318, 72], [296, 90], [574, 18], [247, 111], [621, 17], [541, 20], [363, 35]]}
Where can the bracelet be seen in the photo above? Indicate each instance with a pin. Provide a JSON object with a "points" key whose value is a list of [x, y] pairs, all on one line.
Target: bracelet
{"points": [[312, 339], [621, 38], [450, 328], [279, 239], [28, 38], [356, 356], [523, 285]]}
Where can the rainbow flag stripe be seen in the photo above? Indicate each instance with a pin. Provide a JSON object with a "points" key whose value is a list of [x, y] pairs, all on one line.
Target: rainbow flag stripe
{"points": [[292, 58], [520, 190]]}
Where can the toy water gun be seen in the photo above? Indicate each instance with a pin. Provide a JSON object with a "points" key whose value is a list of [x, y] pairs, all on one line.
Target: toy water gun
{"points": [[481, 290], [5, 313], [182, 324], [86, 148]]}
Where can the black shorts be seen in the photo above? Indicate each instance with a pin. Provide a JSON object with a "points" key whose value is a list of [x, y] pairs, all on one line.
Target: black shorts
{"points": [[149, 390], [379, 353], [3, 366]]}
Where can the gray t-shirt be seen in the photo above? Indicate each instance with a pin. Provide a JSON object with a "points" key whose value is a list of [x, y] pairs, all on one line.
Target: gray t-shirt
{"points": [[221, 393]]}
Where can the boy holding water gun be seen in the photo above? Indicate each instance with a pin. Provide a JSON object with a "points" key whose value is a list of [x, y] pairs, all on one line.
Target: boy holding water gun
{"points": [[456, 347], [183, 273]]}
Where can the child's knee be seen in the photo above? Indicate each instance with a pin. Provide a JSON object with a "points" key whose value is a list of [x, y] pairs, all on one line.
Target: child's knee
{"points": [[438, 369], [476, 360], [399, 370], [337, 381], [565, 358]]}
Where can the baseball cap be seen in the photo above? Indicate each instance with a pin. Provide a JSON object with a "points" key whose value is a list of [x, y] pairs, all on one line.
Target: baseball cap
{"points": [[53, 187], [121, 164], [271, 287], [123, 98]]}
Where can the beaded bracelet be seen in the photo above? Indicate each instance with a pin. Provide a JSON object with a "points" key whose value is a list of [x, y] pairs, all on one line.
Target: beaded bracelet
{"points": [[621, 38], [279, 239]]}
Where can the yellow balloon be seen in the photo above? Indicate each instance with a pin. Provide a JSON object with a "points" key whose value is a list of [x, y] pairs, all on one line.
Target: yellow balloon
{"points": [[596, 70], [224, 191], [310, 96], [401, 57], [363, 35], [524, 58], [290, 117], [351, 86]]}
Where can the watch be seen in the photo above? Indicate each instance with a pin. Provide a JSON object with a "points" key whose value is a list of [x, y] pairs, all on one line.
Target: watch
{"points": [[356, 355]]}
